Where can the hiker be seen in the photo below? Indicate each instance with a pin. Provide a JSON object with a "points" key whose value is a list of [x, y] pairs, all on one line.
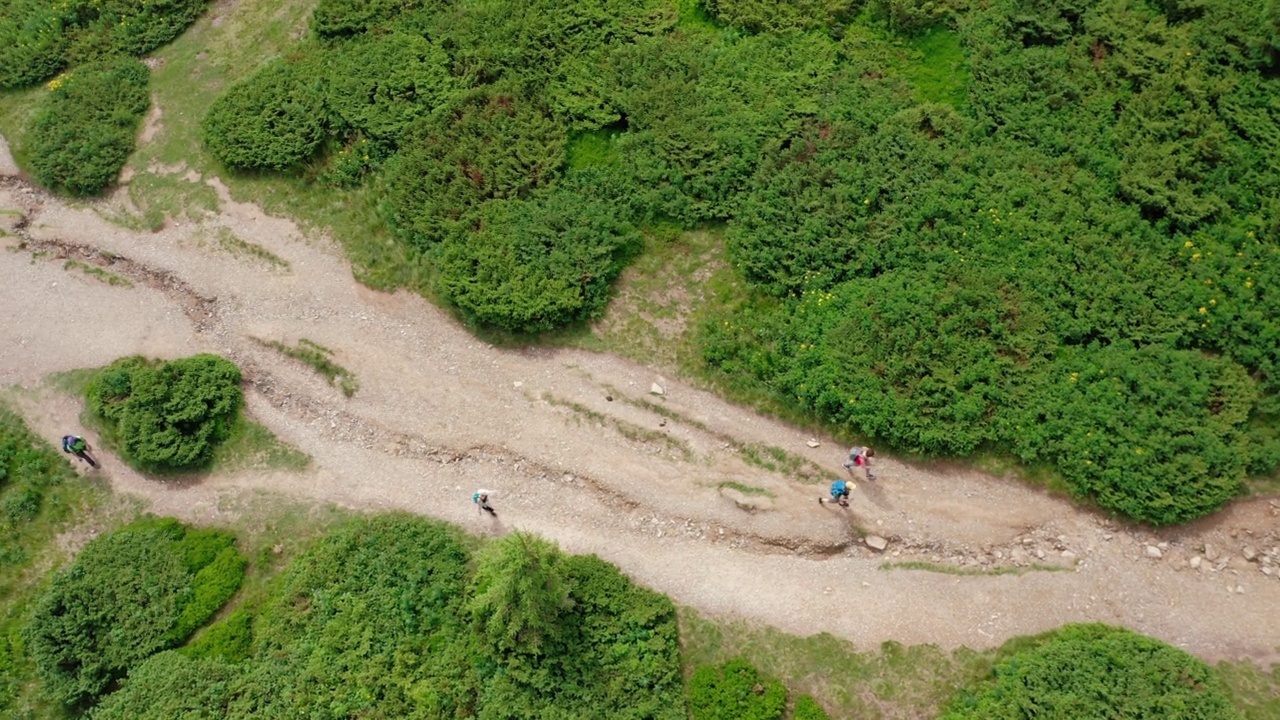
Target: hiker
{"points": [[481, 499], [79, 447], [839, 493], [861, 457]]}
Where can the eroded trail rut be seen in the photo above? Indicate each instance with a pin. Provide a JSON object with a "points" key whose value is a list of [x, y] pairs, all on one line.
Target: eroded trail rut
{"points": [[578, 449]]}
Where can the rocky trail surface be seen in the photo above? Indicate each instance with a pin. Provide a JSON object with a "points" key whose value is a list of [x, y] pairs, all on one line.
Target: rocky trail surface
{"points": [[667, 481]]}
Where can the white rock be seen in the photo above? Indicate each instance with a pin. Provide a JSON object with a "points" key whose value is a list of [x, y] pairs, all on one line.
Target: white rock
{"points": [[875, 542], [1068, 555], [517, 383], [1154, 552], [1249, 553], [813, 443], [656, 389], [1194, 562]]}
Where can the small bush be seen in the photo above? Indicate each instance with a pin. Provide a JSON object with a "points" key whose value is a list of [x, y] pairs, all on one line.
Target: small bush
{"points": [[167, 416], [538, 264], [228, 639], [173, 685], [772, 15], [735, 691], [808, 709], [1094, 671], [490, 146], [37, 39], [275, 120], [124, 598], [85, 128], [339, 18]]}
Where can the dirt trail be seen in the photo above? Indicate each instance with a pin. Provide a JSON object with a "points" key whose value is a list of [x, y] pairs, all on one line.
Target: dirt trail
{"points": [[578, 449]]}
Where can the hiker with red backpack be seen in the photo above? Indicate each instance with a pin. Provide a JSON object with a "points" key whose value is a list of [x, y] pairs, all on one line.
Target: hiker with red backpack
{"points": [[861, 457]]}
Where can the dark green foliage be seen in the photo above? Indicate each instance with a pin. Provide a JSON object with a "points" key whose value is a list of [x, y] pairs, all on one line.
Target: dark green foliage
{"points": [[378, 85], [735, 691], [537, 264], [1084, 671], [272, 121], [338, 18], [775, 15], [84, 129], [173, 685], [520, 596], [488, 147], [167, 416], [37, 38], [808, 709], [380, 620], [125, 597]]}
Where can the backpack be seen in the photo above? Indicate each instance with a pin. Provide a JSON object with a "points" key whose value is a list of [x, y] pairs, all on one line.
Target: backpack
{"points": [[839, 489], [71, 443], [856, 455]]}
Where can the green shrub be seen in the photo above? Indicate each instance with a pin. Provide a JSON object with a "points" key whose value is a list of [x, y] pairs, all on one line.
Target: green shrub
{"points": [[772, 15], [211, 588], [734, 691], [172, 685], [379, 85], [167, 416], [84, 129], [121, 600], [37, 39], [275, 120], [29, 470], [808, 709], [537, 264], [490, 146], [1085, 671], [228, 639]]}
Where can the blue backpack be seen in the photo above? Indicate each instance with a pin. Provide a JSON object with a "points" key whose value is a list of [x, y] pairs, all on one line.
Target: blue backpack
{"points": [[839, 489]]}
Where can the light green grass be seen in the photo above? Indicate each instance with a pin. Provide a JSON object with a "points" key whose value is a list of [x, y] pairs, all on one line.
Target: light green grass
{"points": [[628, 430], [251, 446], [238, 246], [320, 359], [1254, 691], [775, 459], [891, 681], [592, 149], [97, 273], [954, 570], [939, 72], [746, 489]]}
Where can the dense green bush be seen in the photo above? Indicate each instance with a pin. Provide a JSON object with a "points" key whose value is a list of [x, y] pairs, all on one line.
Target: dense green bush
{"points": [[37, 39], [378, 85], [781, 14], [125, 597], [734, 691], [489, 146], [340, 18], [272, 121], [537, 264], [1087, 671], [385, 618], [808, 709], [85, 128], [167, 415]]}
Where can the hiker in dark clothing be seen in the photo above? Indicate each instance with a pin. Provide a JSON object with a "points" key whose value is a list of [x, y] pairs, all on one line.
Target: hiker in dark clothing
{"points": [[79, 447]]}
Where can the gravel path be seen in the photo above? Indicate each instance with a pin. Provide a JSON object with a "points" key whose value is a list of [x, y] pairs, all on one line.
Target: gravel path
{"points": [[578, 448]]}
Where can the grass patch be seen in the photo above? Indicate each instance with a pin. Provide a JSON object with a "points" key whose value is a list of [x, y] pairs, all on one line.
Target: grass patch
{"points": [[939, 72], [98, 273], [775, 459], [892, 681], [953, 570], [592, 149], [746, 489], [1255, 692], [240, 247], [251, 446], [319, 358], [631, 431]]}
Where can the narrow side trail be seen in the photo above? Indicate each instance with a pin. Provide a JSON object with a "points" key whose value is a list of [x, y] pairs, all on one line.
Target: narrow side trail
{"points": [[580, 450]]}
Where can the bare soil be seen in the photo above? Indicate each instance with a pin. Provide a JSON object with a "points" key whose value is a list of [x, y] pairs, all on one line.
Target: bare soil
{"points": [[578, 448]]}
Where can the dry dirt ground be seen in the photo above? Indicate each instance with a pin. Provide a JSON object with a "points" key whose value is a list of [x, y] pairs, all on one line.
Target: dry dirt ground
{"points": [[580, 450]]}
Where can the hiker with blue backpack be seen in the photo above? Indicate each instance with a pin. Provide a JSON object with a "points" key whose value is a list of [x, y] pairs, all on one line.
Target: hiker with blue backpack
{"points": [[839, 493], [79, 447]]}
